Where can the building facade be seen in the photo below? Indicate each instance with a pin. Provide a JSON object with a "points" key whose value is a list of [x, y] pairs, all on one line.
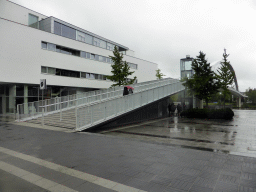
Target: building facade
{"points": [[72, 60]]}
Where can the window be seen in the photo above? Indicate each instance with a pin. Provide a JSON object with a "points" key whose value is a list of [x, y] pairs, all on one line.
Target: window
{"points": [[51, 70], [80, 36], [188, 65], [92, 56], [83, 54], [68, 32], [32, 21], [83, 74], [110, 46], [102, 58], [92, 76], [44, 45], [43, 69], [97, 57], [51, 47], [57, 28], [88, 55], [87, 75]]}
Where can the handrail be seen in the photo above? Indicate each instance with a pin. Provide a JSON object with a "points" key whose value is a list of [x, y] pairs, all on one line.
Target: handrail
{"points": [[109, 93]]}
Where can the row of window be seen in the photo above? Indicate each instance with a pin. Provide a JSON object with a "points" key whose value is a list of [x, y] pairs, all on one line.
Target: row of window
{"points": [[70, 73], [86, 55], [65, 31]]}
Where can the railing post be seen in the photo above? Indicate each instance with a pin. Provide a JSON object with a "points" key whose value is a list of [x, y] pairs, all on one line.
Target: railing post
{"points": [[91, 114], [18, 112], [42, 116], [60, 112], [33, 111], [76, 119], [104, 110]]}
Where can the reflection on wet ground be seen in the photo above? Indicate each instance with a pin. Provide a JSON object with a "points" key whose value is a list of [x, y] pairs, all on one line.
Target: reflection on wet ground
{"points": [[235, 136]]}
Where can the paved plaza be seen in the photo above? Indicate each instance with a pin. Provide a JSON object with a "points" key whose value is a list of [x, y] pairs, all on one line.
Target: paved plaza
{"points": [[167, 155]]}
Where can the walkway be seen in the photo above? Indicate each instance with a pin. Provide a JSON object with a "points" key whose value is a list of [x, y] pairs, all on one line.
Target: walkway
{"points": [[52, 160]]}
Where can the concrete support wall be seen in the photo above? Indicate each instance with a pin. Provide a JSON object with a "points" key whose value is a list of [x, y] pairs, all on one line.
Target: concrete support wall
{"points": [[25, 99], [239, 102], [12, 98]]}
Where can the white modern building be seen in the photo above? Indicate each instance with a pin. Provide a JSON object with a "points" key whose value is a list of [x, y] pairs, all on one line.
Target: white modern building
{"points": [[72, 60]]}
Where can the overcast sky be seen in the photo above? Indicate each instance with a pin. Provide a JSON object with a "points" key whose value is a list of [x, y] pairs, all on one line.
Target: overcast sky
{"points": [[164, 31]]}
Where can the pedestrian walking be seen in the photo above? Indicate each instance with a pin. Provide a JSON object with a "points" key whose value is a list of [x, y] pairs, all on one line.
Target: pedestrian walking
{"points": [[125, 92], [179, 108], [169, 109]]}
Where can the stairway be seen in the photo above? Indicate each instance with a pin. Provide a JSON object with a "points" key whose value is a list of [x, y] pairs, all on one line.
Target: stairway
{"points": [[68, 119]]}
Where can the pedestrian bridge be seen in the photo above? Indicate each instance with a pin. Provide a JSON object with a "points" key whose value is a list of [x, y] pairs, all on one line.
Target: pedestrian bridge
{"points": [[83, 111]]}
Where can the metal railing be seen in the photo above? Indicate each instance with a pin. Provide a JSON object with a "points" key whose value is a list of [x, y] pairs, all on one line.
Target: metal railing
{"points": [[93, 114], [31, 110]]}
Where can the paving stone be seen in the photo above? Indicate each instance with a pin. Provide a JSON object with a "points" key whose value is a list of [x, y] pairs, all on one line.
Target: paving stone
{"points": [[225, 187], [161, 180], [179, 184], [196, 188], [211, 169], [248, 183], [229, 179], [203, 182], [248, 176], [208, 175], [187, 178], [92, 188], [145, 176], [119, 178], [246, 189], [234, 168], [153, 187], [189, 171]]}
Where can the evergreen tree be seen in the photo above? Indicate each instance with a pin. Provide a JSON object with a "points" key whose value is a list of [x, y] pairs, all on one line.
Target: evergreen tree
{"points": [[203, 83], [159, 75], [120, 70], [225, 75]]}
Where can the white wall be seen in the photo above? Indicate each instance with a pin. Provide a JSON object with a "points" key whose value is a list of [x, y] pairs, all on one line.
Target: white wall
{"points": [[21, 58], [17, 13]]}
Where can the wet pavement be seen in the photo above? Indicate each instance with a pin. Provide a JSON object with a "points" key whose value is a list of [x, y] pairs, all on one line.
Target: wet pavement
{"points": [[236, 136], [160, 156]]}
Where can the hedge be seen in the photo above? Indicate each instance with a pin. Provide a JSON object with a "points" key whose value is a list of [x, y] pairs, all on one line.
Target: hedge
{"points": [[226, 113]]}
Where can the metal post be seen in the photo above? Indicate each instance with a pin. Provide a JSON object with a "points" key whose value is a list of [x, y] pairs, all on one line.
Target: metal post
{"points": [[18, 112], [42, 116], [91, 114], [60, 112], [33, 112], [76, 119]]}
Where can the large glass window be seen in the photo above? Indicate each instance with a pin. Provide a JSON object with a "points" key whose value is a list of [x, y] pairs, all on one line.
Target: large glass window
{"points": [[188, 65], [68, 32], [51, 70], [88, 55], [51, 47], [110, 46], [32, 19], [44, 45], [57, 28], [80, 36], [83, 54], [99, 43], [43, 69]]}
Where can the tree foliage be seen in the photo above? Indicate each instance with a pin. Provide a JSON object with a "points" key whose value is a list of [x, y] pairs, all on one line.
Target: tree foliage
{"points": [[225, 76], [251, 93], [159, 75], [204, 82], [120, 70]]}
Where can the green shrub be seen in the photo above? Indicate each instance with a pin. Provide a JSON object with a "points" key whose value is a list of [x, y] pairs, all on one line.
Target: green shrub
{"points": [[226, 113]]}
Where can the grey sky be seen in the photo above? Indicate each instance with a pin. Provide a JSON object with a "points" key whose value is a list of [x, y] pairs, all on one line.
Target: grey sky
{"points": [[164, 31]]}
